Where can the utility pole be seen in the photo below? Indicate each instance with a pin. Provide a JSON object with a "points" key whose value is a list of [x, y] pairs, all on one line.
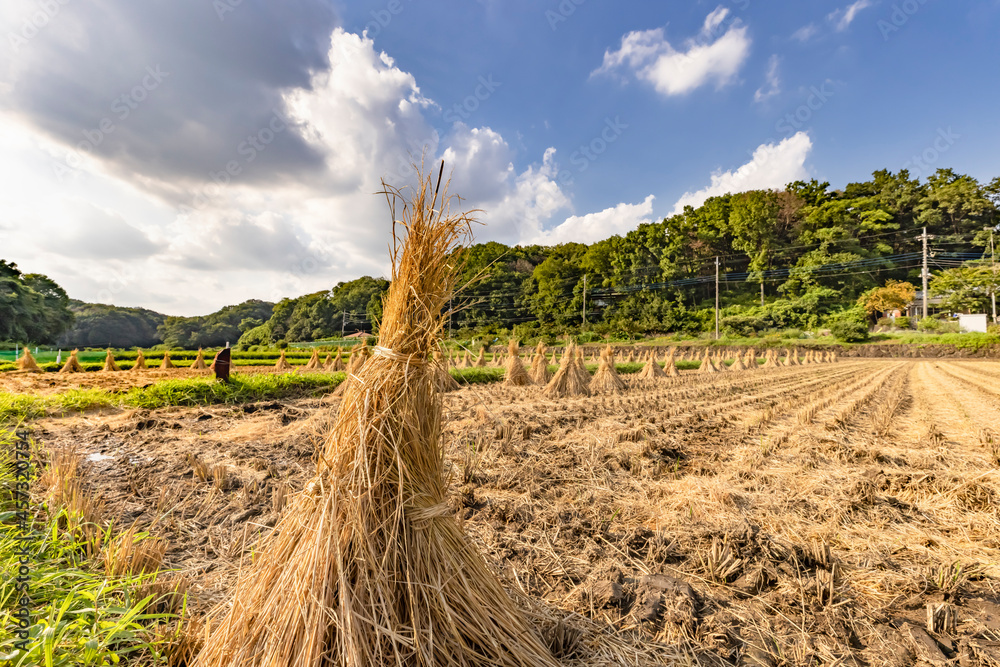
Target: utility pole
{"points": [[717, 297], [585, 298], [451, 308], [924, 237], [993, 263], [343, 323]]}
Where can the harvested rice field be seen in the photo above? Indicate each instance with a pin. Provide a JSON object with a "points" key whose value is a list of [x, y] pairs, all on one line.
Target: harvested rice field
{"points": [[823, 514]]}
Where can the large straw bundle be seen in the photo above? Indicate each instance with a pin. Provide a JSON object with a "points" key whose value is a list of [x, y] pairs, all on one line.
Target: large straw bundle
{"points": [[706, 365], [466, 360], [580, 367], [738, 364], [282, 363], [368, 566], [670, 365], [770, 359], [109, 362], [540, 374], [140, 362], [481, 359], [789, 360], [606, 380], [651, 371], [27, 362], [515, 375], [199, 361], [751, 359], [313, 363], [567, 380], [72, 364], [166, 363]]}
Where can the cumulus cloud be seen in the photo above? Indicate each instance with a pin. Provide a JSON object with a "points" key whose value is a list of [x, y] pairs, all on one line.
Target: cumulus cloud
{"points": [[842, 18], [772, 166], [709, 57], [773, 85], [593, 227]]}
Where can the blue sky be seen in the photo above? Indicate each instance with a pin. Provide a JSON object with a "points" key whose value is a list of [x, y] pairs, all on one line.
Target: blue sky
{"points": [[569, 120]]}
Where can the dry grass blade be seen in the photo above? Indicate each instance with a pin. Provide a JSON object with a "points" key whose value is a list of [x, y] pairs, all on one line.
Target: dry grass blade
{"points": [[368, 565]]}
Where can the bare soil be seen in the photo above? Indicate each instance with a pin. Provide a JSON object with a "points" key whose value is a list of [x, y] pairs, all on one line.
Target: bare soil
{"points": [[819, 514]]}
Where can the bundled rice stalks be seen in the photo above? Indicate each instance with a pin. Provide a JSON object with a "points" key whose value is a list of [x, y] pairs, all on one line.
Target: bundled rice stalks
{"points": [[670, 365], [706, 364], [443, 380], [789, 361], [337, 363], [313, 363], [580, 367], [751, 359], [27, 362], [72, 364], [481, 359], [606, 380], [199, 361], [770, 359], [140, 362], [540, 374], [567, 380], [515, 375], [629, 359], [282, 363], [651, 371], [109, 362], [466, 360], [738, 364], [368, 566], [833, 356], [358, 358], [166, 363]]}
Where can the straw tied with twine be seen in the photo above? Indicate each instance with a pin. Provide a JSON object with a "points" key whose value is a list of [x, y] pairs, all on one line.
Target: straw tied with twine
{"points": [[368, 566]]}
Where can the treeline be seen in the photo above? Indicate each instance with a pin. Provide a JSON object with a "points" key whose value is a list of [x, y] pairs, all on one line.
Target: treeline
{"points": [[33, 308], [103, 325]]}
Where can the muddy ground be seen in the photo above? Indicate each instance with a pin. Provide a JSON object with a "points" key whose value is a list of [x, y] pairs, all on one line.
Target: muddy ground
{"points": [[841, 514]]}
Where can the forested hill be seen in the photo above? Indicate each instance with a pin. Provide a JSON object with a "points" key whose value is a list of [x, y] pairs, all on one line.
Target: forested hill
{"points": [[796, 258]]}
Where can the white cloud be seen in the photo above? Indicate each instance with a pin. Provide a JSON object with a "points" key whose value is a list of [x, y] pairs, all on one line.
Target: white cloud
{"points": [[773, 86], [842, 18], [593, 227], [267, 238], [805, 33], [704, 59], [772, 166]]}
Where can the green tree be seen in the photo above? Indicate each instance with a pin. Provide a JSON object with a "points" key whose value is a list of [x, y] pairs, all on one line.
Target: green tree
{"points": [[752, 219]]}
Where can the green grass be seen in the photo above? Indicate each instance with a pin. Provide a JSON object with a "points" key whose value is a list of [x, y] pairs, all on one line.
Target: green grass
{"points": [[80, 618], [964, 341]]}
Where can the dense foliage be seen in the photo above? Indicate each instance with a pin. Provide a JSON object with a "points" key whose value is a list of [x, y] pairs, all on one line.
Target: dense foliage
{"points": [[33, 308], [215, 330], [103, 325]]}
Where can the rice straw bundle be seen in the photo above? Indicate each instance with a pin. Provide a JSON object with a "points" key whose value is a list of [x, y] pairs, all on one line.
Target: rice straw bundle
{"points": [[579, 367], [833, 356], [651, 371], [540, 374], [751, 359], [313, 363], [807, 358], [369, 566], [515, 375], [481, 359], [738, 364], [466, 360], [670, 365], [337, 363], [567, 380], [72, 364], [770, 359], [443, 380], [166, 363], [358, 358], [606, 380], [27, 362], [109, 362], [629, 359], [706, 364], [789, 361], [199, 361], [328, 361], [140, 362], [282, 363]]}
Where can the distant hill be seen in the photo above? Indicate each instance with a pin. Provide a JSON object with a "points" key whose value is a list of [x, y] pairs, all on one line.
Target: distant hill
{"points": [[101, 325]]}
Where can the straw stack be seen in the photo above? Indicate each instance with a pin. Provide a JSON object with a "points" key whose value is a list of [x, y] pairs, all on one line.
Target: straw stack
{"points": [[481, 359], [140, 362], [443, 380], [72, 364], [515, 375], [368, 565], [109, 362], [337, 363], [606, 380], [770, 359], [567, 381], [166, 363], [652, 370], [738, 364], [706, 364], [282, 363], [313, 363], [27, 362], [199, 361], [540, 374]]}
